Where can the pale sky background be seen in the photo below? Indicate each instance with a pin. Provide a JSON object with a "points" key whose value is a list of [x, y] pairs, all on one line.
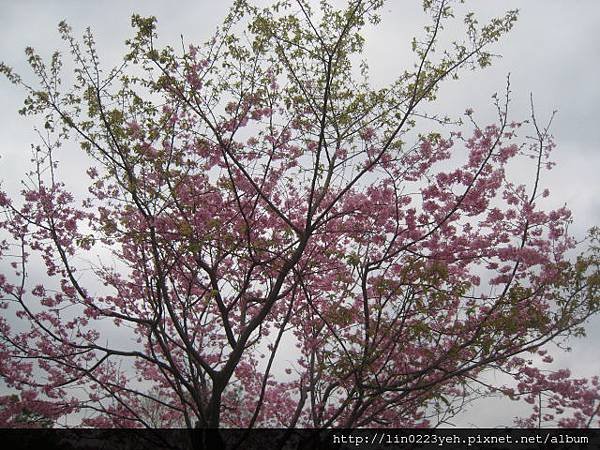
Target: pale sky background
{"points": [[553, 52]]}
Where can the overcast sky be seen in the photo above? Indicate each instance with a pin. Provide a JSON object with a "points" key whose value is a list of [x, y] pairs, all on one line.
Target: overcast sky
{"points": [[553, 52]]}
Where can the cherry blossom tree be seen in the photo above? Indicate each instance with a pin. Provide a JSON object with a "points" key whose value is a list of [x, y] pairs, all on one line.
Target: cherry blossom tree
{"points": [[268, 240]]}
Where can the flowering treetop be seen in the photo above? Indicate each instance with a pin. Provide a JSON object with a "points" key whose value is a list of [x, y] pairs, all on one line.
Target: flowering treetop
{"points": [[280, 253]]}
